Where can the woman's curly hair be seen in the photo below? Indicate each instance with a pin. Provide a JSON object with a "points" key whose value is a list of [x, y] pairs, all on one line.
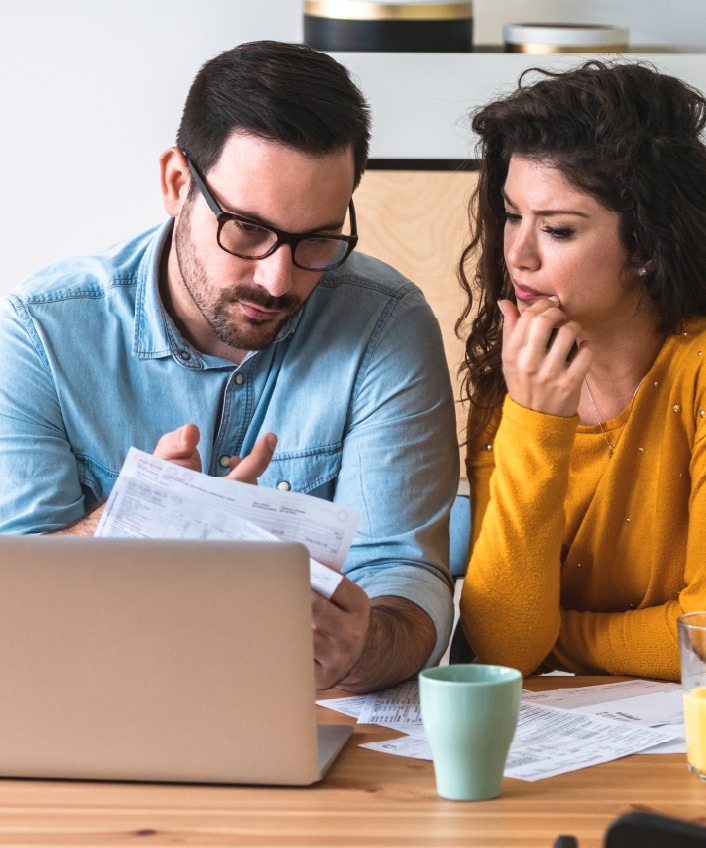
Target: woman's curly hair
{"points": [[624, 133]]}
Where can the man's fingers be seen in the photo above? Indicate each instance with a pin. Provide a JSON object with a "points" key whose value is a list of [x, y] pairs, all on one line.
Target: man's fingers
{"points": [[179, 447], [340, 627], [248, 469]]}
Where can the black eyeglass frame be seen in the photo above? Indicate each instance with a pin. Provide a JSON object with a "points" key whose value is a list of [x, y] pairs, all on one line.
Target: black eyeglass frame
{"points": [[282, 236]]}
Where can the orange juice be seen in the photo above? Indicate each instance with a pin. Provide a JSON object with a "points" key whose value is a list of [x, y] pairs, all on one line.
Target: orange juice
{"points": [[695, 726]]}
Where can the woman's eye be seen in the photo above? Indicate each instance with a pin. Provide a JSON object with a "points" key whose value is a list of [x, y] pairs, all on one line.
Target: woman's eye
{"points": [[510, 217], [559, 232]]}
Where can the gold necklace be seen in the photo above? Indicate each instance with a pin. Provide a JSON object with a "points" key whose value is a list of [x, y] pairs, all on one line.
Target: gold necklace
{"points": [[599, 415]]}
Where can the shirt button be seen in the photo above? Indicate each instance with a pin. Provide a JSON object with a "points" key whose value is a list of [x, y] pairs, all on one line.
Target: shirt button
{"points": [[185, 355], [224, 461], [239, 379], [284, 486]]}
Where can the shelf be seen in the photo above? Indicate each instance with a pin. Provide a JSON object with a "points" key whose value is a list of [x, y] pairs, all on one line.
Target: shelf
{"points": [[420, 101], [636, 50]]}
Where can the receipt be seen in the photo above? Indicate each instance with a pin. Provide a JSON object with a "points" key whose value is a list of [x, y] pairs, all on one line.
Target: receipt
{"points": [[153, 498]]}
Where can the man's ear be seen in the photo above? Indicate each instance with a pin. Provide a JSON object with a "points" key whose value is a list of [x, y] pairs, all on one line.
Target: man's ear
{"points": [[175, 180]]}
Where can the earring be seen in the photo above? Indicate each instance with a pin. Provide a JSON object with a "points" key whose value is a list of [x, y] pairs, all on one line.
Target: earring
{"points": [[642, 272]]}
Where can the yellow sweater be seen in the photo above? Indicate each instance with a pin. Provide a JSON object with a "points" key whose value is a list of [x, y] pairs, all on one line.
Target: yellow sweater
{"points": [[584, 562]]}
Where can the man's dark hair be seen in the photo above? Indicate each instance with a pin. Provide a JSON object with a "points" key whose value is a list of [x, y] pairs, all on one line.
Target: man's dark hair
{"points": [[282, 92]]}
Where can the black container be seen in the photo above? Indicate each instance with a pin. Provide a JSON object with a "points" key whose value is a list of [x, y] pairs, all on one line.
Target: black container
{"points": [[361, 26]]}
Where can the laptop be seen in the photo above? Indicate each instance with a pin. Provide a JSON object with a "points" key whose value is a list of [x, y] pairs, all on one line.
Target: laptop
{"points": [[159, 660]]}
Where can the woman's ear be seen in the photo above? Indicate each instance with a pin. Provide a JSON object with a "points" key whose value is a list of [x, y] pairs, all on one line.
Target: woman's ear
{"points": [[645, 269], [175, 180]]}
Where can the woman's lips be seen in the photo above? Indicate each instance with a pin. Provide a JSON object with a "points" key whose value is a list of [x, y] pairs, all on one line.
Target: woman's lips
{"points": [[526, 294]]}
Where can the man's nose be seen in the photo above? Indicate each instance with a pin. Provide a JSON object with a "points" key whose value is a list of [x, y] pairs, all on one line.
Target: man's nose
{"points": [[275, 272]]}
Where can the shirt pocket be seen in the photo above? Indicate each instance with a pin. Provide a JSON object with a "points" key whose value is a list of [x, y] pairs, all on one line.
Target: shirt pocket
{"points": [[313, 471]]}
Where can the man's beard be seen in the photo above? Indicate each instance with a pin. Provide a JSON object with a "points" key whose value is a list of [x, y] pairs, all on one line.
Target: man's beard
{"points": [[236, 331]]}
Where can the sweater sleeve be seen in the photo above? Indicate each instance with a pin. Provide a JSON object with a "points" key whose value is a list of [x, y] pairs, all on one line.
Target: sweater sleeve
{"points": [[638, 643], [518, 480]]}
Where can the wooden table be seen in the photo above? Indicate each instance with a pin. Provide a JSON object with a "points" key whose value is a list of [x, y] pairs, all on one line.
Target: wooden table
{"points": [[367, 799]]}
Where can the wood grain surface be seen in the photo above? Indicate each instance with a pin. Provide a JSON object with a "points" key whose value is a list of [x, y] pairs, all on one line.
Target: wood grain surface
{"points": [[417, 221], [367, 799]]}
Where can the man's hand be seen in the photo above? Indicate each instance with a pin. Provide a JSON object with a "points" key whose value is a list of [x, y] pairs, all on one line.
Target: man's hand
{"points": [[340, 626], [180, 447], [247, 470], [362, 644]]}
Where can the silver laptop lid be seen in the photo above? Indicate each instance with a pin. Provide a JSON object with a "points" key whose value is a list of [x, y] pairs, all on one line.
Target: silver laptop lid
{"points": [[156, 660]]}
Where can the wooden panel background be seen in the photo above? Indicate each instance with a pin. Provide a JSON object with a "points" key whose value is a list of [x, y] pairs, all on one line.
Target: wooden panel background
{"points": [[417, 221]]}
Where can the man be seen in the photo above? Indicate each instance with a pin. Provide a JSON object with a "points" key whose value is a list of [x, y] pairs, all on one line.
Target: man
{"points": [[246, 327]]}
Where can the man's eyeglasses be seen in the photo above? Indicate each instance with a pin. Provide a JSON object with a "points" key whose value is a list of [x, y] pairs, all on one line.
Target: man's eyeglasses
{"points": [[249, 239]]}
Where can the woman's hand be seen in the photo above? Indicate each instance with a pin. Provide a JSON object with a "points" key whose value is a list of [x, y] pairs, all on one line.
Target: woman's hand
{"points": [[543, 364]]}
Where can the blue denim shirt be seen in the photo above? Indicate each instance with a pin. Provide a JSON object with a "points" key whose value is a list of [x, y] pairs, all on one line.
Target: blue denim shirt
{"points": [[356, 387]]}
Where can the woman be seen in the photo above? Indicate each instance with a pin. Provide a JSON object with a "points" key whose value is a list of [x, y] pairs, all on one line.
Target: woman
{"points": [[585, 369]]}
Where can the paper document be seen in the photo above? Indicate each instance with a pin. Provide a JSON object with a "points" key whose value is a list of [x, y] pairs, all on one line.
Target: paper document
{"points": [[642, 701], [153, 498], [550, 740], [639, 701]]}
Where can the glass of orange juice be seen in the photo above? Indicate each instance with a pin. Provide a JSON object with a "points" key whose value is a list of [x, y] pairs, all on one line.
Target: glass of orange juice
{"points": [[692, 650]]}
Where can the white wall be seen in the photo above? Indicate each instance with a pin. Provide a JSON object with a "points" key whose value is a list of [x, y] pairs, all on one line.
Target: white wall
{"points": [[91, 93]]}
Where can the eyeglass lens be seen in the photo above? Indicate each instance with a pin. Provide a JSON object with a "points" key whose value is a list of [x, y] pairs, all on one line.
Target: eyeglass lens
{"points": [[251, 241]]}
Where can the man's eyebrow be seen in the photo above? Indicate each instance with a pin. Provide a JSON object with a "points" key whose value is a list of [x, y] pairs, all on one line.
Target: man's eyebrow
{"points": [[263, 222], [546, 212]]}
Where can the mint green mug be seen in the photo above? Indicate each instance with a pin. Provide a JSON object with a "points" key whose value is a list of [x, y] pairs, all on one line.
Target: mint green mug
{"points": [[470, 714]]}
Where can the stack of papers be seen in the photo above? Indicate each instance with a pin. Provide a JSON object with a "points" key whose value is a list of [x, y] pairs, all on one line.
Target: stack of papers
{"points": [[153, 498], [558, 731]]}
